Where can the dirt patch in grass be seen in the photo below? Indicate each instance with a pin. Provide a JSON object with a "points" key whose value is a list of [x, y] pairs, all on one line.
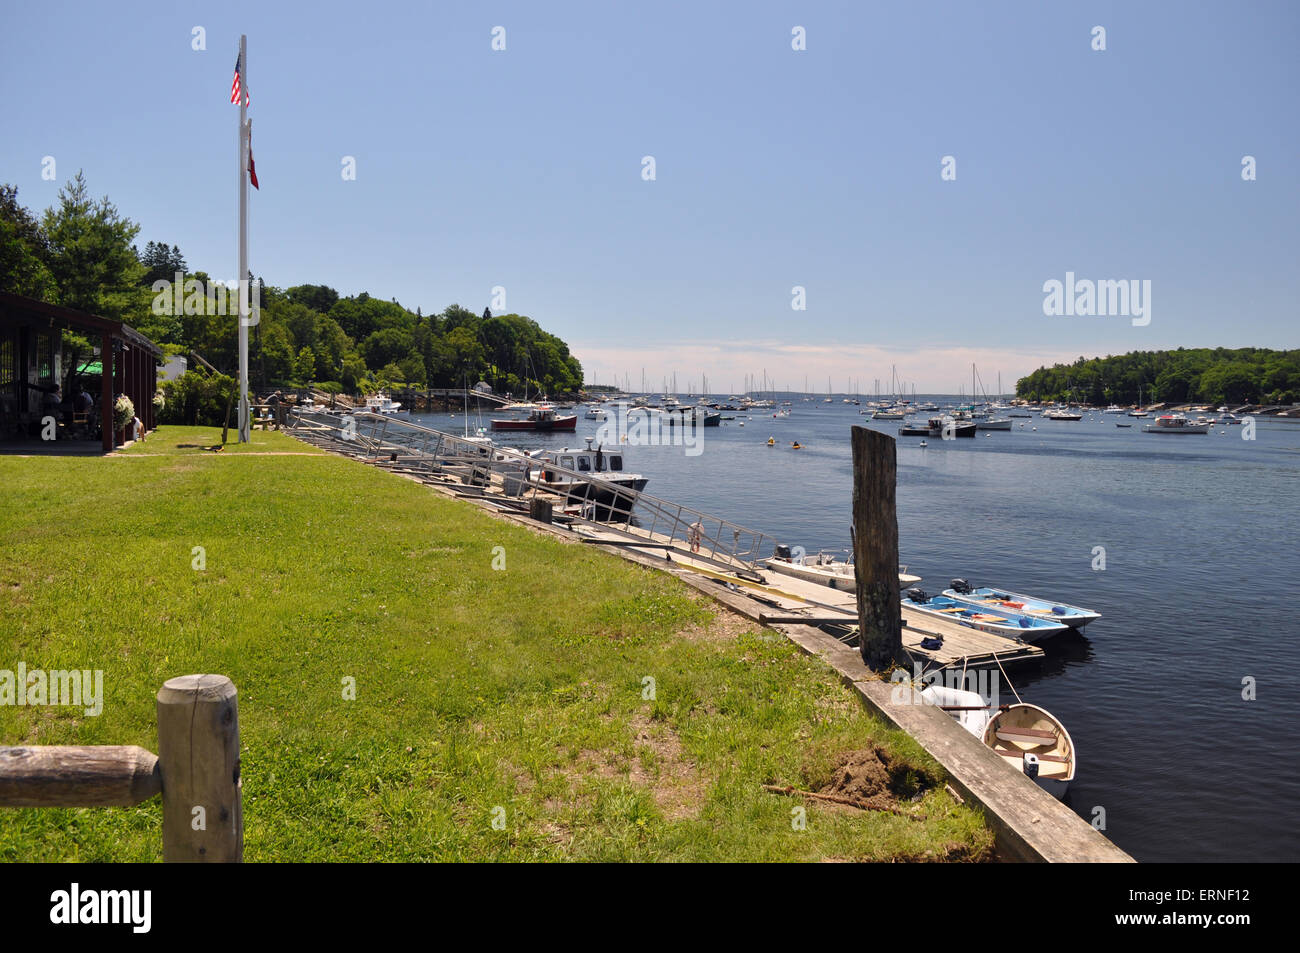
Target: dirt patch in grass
{"points": [[875, 780], [674, 779], [658, 764], [725, 626]]}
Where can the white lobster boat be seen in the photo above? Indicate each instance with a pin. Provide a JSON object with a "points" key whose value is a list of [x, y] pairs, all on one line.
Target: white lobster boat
{"points": [[1177, 423]]}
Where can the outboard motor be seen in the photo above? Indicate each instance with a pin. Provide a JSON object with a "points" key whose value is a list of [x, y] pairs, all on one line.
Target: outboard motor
{"points": [[782, 552], [962, 586], [1031, 765], [917, 595]]}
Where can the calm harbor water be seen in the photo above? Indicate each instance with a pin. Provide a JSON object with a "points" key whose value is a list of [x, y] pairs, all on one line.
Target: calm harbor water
{"points": [[1198, 592]]}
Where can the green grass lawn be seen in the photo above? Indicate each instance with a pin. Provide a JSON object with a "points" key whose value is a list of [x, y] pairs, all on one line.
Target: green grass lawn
{"points": [[476, 689]]}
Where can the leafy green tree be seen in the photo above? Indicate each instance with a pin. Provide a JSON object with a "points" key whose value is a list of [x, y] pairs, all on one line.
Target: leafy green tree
{"points": [[91, 257], [161, 263], [1236, 383], [304, 366], [24, 250], [387, 346], [319, 298]]}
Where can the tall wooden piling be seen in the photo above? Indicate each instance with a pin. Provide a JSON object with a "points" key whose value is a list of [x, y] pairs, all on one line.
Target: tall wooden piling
{"points": [[875, 548], [198, 753]]}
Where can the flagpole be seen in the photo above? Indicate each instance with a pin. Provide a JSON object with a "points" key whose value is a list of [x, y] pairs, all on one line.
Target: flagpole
{"points": [[245, 292]]}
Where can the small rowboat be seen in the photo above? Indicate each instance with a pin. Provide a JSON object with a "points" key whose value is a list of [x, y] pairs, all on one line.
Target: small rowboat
{"points": [[996, 619], [1034, 740], [1076, 617], [1026, 737]]}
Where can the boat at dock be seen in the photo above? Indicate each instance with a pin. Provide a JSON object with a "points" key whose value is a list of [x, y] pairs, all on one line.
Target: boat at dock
{"points": [[1000, 621], [1076, 617], [1029, 739], [1177, 423], [543, 418], [1034, 740], [610, 489], [824, 569]]}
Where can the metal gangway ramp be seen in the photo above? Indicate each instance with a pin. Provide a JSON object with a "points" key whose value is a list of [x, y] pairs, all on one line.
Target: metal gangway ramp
{"points": [[603, 511]]}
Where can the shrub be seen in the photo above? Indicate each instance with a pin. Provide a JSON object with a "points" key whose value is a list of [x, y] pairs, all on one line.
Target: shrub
{"points": [[197, 397]]}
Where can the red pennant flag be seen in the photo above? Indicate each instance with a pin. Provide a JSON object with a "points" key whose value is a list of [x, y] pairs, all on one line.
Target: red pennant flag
{"points": [[252, 169]]}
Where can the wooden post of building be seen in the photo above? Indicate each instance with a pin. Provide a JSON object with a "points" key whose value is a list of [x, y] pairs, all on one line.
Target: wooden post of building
{"points": [[875, 548], [106, 391], [198, 754]]}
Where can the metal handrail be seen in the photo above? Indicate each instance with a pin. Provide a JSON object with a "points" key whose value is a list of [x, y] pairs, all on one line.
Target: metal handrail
{"points": [[377, 436]]}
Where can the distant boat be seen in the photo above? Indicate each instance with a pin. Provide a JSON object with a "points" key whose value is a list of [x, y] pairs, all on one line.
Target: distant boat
{"points": [[824, 569], [1117, 425], [382, 404], [1076, 617], [543, 418], [1177, 423], [999, 621], [994, 423], [959, 428], [1028, 738], [909, 429], [1062, 415]]}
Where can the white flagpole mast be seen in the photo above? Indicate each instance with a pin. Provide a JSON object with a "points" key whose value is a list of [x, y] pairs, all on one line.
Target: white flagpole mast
{"points": [[244, 291]]}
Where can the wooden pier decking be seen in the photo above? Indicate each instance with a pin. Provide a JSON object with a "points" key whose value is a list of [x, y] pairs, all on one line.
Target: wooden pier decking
{"points": [[799, 601]]}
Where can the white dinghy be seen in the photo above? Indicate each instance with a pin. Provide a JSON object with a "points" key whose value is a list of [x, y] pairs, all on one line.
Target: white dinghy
{"points": [[1028, 738], [1034, 740]]}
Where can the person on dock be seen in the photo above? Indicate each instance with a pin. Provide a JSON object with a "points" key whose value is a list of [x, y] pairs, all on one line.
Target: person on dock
{"points": [[693, 535]]}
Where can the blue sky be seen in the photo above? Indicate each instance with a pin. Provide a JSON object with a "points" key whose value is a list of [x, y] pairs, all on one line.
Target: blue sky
{"points": [[522, 168]]}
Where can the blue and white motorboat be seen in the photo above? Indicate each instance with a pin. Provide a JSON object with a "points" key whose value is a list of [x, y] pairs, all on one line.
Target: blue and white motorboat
{"points": [[1000, 621], [986, 597]]}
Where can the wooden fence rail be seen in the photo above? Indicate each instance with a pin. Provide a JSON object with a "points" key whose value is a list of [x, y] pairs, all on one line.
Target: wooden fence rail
{"points": [[196, 771]]}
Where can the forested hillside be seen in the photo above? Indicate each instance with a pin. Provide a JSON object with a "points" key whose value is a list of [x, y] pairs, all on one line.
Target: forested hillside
{"points": [[1245, 375]]}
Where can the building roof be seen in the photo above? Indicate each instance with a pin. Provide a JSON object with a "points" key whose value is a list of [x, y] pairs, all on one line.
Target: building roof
{"points": [[60, 317]]}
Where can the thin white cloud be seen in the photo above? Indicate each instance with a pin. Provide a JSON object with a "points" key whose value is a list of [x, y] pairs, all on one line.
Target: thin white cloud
{"points": [[931, 367]]}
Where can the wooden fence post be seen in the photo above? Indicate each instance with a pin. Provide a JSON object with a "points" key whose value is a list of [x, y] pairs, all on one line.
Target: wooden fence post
{"points": [[875, 548], [198, 753]]}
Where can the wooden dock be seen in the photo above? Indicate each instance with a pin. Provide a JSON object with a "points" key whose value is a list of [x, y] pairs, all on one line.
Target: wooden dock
{"points": [[799, 601]]}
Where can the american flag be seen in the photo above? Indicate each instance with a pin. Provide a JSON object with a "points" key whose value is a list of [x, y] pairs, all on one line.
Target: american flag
{"points": [[235, 86]]}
